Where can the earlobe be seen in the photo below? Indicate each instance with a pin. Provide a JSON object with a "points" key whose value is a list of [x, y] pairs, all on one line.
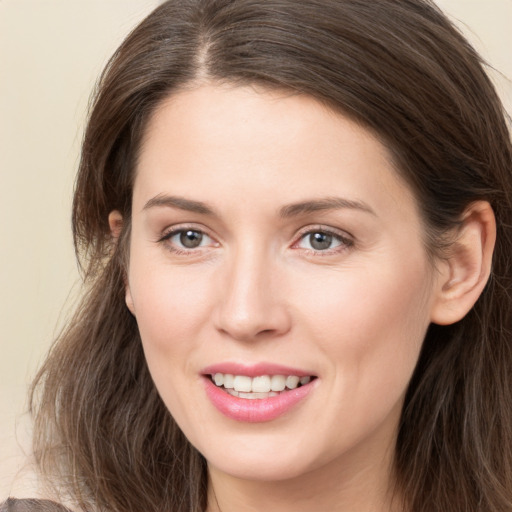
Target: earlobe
{"points": [[128, 299], [115, 222], [468, 266]]}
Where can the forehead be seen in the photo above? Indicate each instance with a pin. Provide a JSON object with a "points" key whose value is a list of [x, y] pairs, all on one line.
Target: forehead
{"points": [[249, 113], [270, 144]]}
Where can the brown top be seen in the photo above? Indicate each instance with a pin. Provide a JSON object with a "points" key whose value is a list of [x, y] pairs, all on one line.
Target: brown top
{"points": [[31, 505]]}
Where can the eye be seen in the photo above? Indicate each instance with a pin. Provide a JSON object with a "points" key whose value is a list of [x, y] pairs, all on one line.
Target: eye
{"points": [[321, 240], [187, 239]]}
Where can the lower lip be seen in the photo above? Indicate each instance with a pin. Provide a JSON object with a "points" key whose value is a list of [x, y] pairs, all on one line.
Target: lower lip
{"points": [[257, 410]]}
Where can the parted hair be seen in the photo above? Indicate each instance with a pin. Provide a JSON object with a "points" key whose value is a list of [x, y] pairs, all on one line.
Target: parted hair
{"points": [[402, 70]]}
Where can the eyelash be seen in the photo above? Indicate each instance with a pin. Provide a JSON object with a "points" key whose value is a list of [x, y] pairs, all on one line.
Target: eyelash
{"points": [[345, 242], [168, 235]]}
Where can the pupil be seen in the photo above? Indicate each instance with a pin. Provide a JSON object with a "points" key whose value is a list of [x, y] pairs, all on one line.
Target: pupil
{"points": [[191, 239], [320, 241]]}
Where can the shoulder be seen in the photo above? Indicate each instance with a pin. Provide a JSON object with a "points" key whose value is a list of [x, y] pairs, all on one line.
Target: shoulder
{"points": [[31, 505]]}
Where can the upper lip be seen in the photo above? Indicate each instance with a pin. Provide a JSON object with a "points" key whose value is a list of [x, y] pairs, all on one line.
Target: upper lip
{"points": [[254, 370]]}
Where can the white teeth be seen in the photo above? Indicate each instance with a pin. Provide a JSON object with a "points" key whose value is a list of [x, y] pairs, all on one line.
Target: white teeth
{"points": [[242, 383], [292, 382], [252, 396], [278, 382], [228, 381], [268, 385], [261, 384]]}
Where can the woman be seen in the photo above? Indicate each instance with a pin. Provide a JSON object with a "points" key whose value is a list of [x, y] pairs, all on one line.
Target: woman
{"points": [[294, 225]]}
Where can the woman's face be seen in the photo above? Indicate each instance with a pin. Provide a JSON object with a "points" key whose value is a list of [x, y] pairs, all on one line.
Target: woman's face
{"points": [[272, 240]]}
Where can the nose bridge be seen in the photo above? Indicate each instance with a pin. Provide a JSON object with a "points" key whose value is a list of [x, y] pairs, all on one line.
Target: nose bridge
{"points": [[250, 304]]}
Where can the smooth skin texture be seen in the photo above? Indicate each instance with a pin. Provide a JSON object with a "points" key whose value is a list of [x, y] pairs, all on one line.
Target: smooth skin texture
{"points": [[252, 176]]}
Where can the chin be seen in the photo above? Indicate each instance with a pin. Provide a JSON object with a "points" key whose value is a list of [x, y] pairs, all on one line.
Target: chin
{"points": [[266, 457], [256, 468]]}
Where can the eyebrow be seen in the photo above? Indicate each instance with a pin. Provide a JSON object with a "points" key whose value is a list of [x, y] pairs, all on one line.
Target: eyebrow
{"points": [[180, 203], [287, 211], [328, 203]]}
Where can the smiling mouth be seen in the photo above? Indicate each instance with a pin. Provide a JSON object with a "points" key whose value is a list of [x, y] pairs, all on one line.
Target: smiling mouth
{"points": [[260, 387]]}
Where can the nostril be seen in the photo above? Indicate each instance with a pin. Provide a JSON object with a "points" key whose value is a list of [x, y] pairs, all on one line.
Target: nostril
{"points": [[257, 326], [249, 306]]}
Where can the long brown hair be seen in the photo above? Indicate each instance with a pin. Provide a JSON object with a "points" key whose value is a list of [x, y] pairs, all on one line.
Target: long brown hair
{"points": [[402, 70]]}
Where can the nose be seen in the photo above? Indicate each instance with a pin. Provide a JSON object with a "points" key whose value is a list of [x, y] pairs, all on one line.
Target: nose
{"points": [[251, 302]]}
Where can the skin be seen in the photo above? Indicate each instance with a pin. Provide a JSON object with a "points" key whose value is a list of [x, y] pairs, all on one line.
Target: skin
{"points": [[255, 289]]}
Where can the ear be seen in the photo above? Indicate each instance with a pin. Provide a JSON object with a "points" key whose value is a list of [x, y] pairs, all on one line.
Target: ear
{"points": [[115, 222], [128, 298], [465, 272]]}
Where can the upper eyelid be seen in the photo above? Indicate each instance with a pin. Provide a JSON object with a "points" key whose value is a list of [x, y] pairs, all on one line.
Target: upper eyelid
{"points": [[169, 231], [346, 241], [324, 229]]}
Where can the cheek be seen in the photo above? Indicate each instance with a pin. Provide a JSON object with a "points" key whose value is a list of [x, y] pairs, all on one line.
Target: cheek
{"points": [[171, 306], [369, 325], [369, 329]]}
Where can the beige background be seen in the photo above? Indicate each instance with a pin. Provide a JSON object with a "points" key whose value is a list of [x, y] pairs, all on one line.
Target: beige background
{"points": [[51, 52]]}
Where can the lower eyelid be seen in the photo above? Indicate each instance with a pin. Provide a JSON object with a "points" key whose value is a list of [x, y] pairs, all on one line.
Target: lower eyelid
{"points": [[341, 238], [344, 242], [205, 238], [169, 233]]}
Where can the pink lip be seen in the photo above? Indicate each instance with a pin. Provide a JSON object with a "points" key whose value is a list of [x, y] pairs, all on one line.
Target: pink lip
{"points": [[258, 410], [253, 370]]}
